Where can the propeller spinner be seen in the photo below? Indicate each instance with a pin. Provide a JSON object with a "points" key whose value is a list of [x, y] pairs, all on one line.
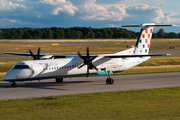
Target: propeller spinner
{"points": [[87, 61]]}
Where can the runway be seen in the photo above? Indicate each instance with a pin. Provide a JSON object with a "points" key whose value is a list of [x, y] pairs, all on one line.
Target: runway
{"points": [[87, 85]]}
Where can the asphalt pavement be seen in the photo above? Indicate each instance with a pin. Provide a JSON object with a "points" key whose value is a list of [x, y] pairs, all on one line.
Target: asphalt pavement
{"points": [[87, 85]]}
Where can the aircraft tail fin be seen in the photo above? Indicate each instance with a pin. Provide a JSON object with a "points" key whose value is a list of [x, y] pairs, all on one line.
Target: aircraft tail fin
{"points": [[144, 40]]}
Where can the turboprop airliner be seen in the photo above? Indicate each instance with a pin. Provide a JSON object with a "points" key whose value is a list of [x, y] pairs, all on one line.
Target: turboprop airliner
{"points": [[66, 66]]}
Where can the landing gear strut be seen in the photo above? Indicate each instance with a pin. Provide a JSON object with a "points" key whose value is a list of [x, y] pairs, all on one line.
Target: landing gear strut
{"points": [[13, 84], [59, 80], [109, 80]]}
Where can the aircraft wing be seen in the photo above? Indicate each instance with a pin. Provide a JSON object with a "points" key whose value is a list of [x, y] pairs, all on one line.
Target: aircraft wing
{"points": [[64, 56], [125, 56], [41, 55], [45, 56]]}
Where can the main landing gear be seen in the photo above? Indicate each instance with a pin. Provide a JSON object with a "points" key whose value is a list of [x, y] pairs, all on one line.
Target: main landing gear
{"points": [[13, 84], [109, 80], [59, 80]]}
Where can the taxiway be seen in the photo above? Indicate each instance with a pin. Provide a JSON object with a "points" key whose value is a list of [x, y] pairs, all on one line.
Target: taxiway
{"points": [[87, 85]]}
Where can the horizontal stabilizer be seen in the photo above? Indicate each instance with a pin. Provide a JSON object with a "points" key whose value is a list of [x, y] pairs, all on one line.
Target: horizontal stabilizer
{"points": [[126, 56], [148, 25]]}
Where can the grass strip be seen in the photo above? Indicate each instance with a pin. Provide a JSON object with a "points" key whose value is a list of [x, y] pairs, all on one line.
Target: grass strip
{"points": [[162, 103], [151, 69], [49, 47]]}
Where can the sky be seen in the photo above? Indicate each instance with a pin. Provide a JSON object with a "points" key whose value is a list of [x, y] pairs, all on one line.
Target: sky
{"points": [[88, 13]]}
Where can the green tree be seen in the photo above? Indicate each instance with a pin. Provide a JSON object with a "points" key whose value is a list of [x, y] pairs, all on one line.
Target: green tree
{"points": [[154, 35], [26, 35], [49, 33], [1, 34], [105, 34], [110, 33], [98, 34], [126, 34], [116, 35], [78, 34], [68, 34], [171, 35], [178, 35], [161, 33], [90, 34], [37, 34]]}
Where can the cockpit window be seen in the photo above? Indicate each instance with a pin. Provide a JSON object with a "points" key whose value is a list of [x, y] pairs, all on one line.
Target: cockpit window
{"points": [[25, 67], [21, 67], [17, 67]]}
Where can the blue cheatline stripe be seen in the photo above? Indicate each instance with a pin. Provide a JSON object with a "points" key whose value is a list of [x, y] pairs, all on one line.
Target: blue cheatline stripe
{"points": [[63, 76], [103, 73]]}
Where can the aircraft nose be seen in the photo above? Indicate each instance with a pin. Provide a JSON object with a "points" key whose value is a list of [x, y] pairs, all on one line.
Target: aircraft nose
{"points": [[18, 74], [9, 76]]}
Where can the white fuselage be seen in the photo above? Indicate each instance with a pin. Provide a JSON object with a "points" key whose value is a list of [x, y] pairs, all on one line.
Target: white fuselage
{"points": [[68, 67]]}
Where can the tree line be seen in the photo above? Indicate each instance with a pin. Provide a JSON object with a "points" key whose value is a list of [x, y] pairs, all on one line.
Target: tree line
{"points": [[77, 33]]}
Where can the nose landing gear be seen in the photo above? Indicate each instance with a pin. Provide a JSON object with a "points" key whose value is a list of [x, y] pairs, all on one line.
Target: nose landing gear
{"points": [[13, 84], [59, 80]]}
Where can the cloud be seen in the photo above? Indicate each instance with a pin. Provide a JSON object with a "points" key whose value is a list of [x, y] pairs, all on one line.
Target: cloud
{"points": [[91, 10], [43, 13], [171, 18], [9, 5], [129, 13], [57, 6], [145, 13], [9, 23], [108, 2], [111, 25], [5, 22]]}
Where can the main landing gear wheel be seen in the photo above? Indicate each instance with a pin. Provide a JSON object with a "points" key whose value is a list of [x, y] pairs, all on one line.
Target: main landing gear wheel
{"points": [[13, 84], [109, 81], [59, 80]]}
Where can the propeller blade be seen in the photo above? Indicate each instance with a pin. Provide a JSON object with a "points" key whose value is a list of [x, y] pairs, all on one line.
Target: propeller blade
{"points": [[80, 56], [93, 58], [87, 61], [81, 66], [87, 71], [87, 52], [94, 67], [32, 54], [38, 53]]}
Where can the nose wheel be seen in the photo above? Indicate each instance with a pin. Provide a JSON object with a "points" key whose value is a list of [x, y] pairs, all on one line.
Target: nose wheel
{"points": [[109, 80], [59, 80], [13, 84]]}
